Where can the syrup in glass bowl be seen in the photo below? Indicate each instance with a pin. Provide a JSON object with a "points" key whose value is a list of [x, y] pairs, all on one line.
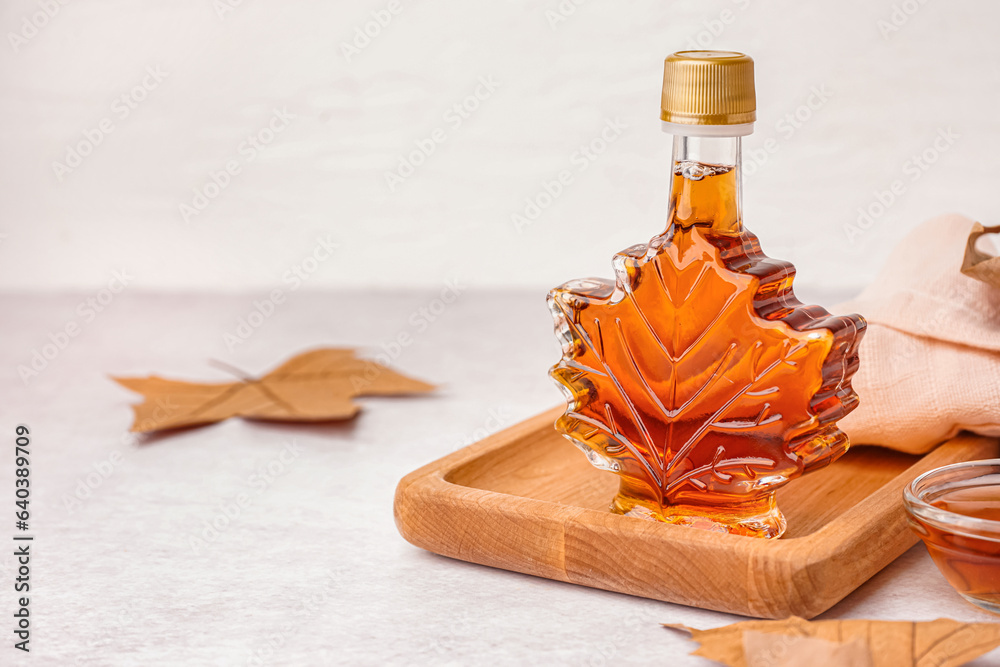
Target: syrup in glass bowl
{"points": [[956, 512]]}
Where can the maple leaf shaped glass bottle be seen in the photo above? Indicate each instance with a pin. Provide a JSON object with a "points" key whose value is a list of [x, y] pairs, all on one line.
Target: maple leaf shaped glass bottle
{"points": [[696, 375]]}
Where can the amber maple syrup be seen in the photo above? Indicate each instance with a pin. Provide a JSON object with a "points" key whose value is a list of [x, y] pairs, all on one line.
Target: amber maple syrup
{"points": [[969, 559]]}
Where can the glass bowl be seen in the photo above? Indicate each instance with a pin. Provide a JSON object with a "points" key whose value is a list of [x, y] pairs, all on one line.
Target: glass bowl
{"points": [[956, 511]]}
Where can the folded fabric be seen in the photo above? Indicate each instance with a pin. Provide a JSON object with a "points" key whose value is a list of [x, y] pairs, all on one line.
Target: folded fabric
{"points": [[930, 360]]}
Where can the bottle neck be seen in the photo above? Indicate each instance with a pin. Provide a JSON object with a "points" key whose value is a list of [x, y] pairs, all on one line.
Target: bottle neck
{"points": [[705, 184]]}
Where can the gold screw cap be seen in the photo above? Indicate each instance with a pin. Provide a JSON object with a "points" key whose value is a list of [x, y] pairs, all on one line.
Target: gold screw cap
{"points": [[708, 88]]}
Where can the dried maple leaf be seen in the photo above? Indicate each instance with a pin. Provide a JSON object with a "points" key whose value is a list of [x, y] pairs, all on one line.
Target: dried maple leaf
{"points": [[848, 643], [698, 377], [313, 386], [978, 264]]}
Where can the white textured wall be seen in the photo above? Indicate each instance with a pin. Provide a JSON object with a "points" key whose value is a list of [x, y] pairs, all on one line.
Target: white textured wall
{"points": [[557, 85]]}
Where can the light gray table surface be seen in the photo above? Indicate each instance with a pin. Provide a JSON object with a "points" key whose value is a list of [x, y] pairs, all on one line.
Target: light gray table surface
{"points": [[313, 571]]}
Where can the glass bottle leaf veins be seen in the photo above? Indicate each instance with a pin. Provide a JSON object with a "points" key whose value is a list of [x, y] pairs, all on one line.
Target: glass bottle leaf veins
{"points": [[696, 375]]}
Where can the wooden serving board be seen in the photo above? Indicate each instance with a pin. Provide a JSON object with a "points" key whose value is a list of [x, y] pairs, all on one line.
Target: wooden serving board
{"points": [[527, 500]]}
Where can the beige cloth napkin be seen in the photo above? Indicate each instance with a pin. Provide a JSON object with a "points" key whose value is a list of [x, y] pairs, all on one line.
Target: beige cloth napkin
{"points": [[930, 360]]}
